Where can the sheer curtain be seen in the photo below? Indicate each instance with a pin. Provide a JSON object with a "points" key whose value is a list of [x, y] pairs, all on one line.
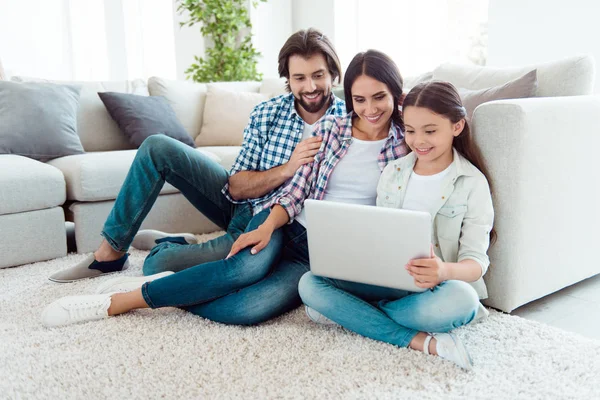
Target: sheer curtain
{"points": [[418, 35], [121, 39]]}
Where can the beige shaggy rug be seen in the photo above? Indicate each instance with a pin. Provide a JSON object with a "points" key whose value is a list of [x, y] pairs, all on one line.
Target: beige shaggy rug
{"points": [[170, 354]]}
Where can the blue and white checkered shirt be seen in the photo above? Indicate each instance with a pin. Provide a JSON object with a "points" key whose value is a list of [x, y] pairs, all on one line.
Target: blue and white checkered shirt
{"points": [[272, 134]]}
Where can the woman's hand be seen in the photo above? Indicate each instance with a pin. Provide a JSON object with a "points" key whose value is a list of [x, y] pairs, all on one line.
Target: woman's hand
{"points": [[427, 272], [259, 237]]}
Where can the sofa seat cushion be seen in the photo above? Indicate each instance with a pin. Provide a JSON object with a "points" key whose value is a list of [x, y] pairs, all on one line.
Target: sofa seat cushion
{"points": [[29, 185], [225, 155], [99, 176]]}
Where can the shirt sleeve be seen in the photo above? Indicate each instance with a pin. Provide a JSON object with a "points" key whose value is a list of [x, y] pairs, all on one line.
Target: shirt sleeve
{"points": [[477, 224]]}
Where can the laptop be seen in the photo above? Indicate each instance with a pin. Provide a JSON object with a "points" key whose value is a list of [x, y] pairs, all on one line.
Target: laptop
{"points": [[366, 244]]}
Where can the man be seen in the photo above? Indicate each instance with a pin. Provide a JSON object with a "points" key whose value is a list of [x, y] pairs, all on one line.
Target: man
{"points": [[276, 143]]}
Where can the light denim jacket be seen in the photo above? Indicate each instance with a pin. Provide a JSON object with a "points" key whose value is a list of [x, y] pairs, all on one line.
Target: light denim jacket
{"points": [[462, 217]]}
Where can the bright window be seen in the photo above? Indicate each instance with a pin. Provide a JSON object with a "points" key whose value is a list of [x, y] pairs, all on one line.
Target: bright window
{"points": [[418, 35]]}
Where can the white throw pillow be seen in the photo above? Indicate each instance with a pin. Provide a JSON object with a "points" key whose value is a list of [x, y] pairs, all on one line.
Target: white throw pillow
{"points": [[273, 87], [226, 114], [568, 77], [186, 98]]}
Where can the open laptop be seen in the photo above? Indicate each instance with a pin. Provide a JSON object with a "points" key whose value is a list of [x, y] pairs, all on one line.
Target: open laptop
{"points": [[366, 244]]}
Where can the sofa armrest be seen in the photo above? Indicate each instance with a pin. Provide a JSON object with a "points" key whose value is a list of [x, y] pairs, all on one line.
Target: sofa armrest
{"points": [[542, 155]]}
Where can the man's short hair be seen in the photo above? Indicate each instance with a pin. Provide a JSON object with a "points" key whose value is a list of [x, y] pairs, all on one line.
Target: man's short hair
{"points": [[306, 43]]}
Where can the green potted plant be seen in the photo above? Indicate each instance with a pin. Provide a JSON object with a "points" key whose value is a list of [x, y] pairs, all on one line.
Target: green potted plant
{"points": [[231, 55]]}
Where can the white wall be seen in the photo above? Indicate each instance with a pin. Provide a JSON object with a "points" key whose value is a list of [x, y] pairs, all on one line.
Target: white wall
{"points": [[317, 14], [534, 31], [271, 26], [34, 38], [189, 42]]}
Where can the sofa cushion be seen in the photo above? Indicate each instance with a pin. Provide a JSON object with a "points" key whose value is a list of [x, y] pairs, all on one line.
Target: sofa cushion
{"points": [[568, 77], [412, 81], [99, 176], [250, 86], [39, 120], [2, 73], [143, 116], [226, 114], [186, 98], [225, 155], [95, 127], [29, 185], [519, 88], [273, 87]]}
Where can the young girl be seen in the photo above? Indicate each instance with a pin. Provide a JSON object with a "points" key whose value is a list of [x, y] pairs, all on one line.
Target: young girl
{"points": [[261, 282], [445, 176]]}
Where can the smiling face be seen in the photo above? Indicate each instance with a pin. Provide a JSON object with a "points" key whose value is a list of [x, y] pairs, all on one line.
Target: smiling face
{"points": [[310, 82], [430, 136], [373, 103]]}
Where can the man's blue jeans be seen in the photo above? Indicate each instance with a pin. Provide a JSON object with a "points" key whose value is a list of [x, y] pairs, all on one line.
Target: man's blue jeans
{"points": [[245, 289], [162, 159], [390, 315]]}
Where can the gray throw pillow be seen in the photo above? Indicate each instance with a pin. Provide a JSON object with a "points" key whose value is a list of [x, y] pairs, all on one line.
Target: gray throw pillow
{"points": [[525, 86], [39, 120], [143, 116]]}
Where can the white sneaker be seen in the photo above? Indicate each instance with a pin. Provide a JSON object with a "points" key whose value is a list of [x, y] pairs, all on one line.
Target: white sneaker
{"points": [[74, 309], [123, 284], [317, 317], [449, 347]]}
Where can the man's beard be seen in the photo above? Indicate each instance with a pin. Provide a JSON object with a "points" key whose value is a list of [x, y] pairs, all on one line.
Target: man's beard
{"points": [[313, 107]]}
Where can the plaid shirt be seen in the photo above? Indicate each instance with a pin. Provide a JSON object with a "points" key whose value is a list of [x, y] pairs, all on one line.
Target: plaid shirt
{"points": [[311, 179], [274, 131]]}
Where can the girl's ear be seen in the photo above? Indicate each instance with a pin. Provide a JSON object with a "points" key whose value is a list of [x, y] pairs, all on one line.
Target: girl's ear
{"points": [[458, 127]]}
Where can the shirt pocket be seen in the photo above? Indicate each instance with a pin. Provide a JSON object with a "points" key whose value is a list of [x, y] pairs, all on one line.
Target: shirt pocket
{"points": [[449, 221], [387, 198]]}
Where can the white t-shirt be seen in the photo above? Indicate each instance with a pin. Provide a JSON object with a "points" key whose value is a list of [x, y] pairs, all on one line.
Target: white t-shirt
{"points": [[308, 130], [422, 191], [354, 179]]}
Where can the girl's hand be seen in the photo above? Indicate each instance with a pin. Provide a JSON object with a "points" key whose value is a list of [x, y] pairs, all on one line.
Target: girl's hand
{"points": [[427, 272], [259, 237]]}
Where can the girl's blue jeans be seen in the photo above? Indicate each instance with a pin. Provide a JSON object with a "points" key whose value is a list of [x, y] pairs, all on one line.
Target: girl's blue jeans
{"points": [[390, 315]]}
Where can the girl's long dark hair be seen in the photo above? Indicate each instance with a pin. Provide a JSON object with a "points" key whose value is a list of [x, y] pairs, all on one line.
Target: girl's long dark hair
{"points": [[443, 99], [380, 67]]}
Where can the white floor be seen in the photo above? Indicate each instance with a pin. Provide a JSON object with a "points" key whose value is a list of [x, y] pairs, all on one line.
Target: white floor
{"points": [[575, 308]]}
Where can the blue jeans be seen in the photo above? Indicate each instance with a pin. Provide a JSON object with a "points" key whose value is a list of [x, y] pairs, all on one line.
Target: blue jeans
{"points": [[390, 315], [162, 159], [245, 289]]}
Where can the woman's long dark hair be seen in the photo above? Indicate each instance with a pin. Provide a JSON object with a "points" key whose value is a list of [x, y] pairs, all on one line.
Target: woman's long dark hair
{"points": [[443, 99], [380, 67]]}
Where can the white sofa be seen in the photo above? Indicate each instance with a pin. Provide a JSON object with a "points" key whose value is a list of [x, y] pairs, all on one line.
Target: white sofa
{"points": [[540, 153], [32, 222]]}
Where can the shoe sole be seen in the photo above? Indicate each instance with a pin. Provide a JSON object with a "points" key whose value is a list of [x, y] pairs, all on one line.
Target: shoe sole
{"points": [[125, 266], [123, 281], [466, 357]]}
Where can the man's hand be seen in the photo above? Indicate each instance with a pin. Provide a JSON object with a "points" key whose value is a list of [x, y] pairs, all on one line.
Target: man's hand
{"points": [[427, 272], [304, 153], [259, 237]]}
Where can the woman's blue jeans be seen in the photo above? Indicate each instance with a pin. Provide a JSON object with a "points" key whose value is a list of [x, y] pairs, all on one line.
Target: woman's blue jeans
{"points": [[245, 289], [162, 159], [390, 315]]}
